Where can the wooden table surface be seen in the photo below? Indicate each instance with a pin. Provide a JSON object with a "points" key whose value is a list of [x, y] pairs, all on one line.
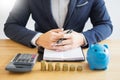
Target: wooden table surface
{"points": [[9, 48]]}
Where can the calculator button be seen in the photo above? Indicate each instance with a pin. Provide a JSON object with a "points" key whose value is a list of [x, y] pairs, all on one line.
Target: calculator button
{"points": [[16, 57]]}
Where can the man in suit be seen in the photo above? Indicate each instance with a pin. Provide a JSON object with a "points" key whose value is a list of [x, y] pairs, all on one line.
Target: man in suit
{"points": [[52, 16]]}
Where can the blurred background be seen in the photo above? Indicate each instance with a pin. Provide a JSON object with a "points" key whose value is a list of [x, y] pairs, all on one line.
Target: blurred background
{"points": [[112, 6]]}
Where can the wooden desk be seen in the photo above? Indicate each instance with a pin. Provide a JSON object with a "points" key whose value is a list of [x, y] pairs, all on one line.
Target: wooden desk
{"points": [[8, 49]]}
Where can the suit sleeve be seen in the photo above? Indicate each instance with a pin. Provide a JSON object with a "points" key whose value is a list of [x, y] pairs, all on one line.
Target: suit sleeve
{"points": [[102, 27], [14, 27]]}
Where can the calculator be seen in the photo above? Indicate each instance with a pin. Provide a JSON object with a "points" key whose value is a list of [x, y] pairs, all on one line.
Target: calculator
{"points": [[22, 62]]}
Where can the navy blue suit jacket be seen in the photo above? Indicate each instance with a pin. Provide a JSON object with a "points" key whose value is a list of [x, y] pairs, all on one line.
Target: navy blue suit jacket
{"points": [[78, 13]]}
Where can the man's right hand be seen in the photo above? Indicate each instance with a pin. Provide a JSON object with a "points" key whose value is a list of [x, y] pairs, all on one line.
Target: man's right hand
{"points": [[48, 39]]}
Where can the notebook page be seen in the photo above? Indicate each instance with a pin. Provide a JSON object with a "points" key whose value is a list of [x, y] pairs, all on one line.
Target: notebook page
{"points": [[73, 54]]}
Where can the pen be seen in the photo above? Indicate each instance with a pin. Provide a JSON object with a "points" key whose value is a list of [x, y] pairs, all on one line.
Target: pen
{"points": [[68, 32]]}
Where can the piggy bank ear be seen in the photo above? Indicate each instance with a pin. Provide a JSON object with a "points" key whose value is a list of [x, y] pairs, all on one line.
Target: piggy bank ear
{"points": [[91, 45], [105, 45]]}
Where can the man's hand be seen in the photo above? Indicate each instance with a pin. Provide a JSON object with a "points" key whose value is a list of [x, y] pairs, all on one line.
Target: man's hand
{"points": [[49, 39], [73, 40]]}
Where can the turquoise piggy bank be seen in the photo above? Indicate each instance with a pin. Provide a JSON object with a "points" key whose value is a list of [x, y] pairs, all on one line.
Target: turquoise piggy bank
{"points": [[98, 57]]}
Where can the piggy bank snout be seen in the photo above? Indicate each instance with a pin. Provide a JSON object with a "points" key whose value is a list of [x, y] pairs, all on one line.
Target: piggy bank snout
{"points": [[101, 55]]}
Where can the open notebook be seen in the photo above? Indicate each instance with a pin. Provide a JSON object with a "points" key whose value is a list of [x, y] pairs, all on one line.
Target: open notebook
{"points": [[70, 55]]}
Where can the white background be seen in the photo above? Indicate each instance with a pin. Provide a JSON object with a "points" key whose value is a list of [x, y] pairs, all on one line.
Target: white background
{"points": [[112, 6]]}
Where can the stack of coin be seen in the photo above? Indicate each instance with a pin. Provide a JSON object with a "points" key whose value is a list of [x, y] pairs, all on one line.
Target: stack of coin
{"points": [[43, 65], [50, 67], [79, 68], [72, 68], [65, 67], [57, 67]]}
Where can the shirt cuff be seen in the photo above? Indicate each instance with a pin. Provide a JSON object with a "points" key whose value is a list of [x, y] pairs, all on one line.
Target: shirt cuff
{"points": [[85, 41], [33, 41]]}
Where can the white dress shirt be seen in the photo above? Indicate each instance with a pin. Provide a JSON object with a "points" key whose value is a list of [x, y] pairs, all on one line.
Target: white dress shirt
{"points": [[59, 11]]}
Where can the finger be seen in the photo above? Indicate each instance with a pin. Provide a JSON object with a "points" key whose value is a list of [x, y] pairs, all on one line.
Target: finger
{"points": [[57, 36], [65, 42], [51, 46], [65, 31], [67, 36]]}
